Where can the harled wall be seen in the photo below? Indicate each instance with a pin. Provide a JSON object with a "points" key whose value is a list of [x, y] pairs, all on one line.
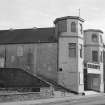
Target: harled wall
{"points": [[40, 59]]}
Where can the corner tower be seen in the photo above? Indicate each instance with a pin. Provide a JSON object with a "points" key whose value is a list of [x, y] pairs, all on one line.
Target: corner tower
{"points": [[93, 51], [69, 31]]}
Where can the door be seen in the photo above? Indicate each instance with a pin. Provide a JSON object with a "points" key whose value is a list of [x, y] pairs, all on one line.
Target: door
{"points": [[95, 84]]}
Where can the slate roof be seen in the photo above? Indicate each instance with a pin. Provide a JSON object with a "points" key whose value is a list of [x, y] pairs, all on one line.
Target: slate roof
{"points": [[22, 36]]}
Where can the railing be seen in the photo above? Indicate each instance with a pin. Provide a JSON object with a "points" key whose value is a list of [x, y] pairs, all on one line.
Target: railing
{"points": [[92, 66]]}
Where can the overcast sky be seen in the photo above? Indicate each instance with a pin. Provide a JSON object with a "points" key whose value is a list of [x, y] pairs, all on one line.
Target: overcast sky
{"points": [[41, 13]]}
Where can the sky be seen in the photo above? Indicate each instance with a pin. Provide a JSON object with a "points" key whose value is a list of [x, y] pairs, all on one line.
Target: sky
{"points": [[42, 13]]}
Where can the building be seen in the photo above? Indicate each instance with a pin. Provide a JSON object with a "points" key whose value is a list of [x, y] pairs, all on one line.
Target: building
{"points": [[104, 65], [70, 57], [31, 50], [55, 53], [93, 59]]}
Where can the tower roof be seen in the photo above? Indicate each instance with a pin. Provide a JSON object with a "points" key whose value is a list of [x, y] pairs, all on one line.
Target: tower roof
{"points": [[93, 30], [68, 17]]}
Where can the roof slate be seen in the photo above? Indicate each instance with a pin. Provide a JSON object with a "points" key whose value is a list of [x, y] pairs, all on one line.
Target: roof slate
{"points": [[21, 36]]}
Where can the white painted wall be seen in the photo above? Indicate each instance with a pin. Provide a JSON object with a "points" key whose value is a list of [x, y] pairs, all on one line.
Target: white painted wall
{"points": [[89, 47], [69, 76], [72, 75], [80, 68]]}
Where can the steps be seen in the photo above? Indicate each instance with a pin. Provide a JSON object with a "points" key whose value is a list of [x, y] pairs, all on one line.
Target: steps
{"points": [[14, 75]]}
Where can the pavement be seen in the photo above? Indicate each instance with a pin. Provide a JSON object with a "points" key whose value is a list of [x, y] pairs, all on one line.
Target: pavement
{"points": [[75, 100], [91, 93]]}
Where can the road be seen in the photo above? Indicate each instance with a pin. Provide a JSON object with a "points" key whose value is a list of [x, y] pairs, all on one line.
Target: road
{"points": [[98, 100], [78, 100]]}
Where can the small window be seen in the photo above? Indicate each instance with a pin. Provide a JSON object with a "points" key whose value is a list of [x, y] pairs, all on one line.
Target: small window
{"points": [[81, 29], [101, 57], [81, 54], [95, 56], [72, 49], [94, 38], [73, 27]]}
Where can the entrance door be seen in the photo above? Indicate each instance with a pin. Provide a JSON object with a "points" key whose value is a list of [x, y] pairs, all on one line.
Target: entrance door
{"points": [[95, 84]]}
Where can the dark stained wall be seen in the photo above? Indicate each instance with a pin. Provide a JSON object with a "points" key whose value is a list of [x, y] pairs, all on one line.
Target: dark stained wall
{"points": [[12, 77], [40, 59], [46, 62]]}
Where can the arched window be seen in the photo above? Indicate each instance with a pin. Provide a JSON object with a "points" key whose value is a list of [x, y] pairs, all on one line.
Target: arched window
{"points": [[73, 27]]}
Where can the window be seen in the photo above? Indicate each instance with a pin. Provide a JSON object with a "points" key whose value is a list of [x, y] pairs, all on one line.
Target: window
{"points": [[72, 49], [95, 56], [101, 39], [81, 28], [101, 57], [19, 50], [73, 27], [94, 38], [81, 50], [62, 26]]}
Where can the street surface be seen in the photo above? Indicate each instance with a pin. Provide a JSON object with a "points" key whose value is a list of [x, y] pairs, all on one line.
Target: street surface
{"points": [[77, 100]]}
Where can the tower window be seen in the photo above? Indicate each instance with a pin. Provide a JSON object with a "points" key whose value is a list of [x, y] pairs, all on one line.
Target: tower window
{"points": [[73, 27], [95, 56], [62, 26], [94, 38], [72, 49], [81, 54], [101, 39], [81, 29], [101, 57]]}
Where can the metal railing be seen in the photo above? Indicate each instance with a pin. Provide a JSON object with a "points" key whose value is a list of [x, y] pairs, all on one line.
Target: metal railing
{"points": [[92, 66]]}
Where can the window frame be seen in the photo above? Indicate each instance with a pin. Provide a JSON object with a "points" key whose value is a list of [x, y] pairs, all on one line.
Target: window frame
{"points": [[101, 56], [94, 37], [73, 27], [94, 54], [81, 28], [101, 40], [81, 51], [72, 48], [62, 26]]}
